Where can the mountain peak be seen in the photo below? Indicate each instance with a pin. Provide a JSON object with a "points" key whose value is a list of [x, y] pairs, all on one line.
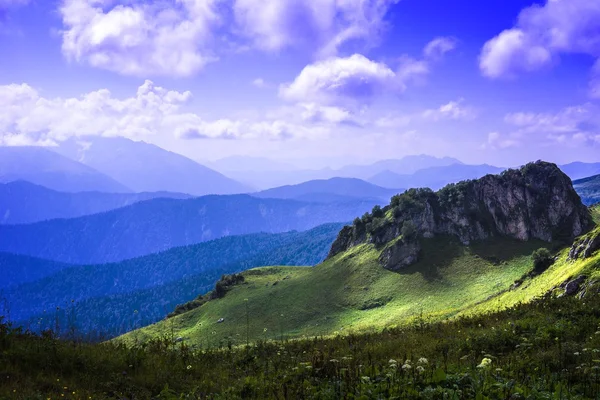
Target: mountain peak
{"points": [[513, 204]]}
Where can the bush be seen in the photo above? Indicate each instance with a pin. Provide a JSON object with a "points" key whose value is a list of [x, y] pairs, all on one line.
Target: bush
{"points": [[542, 259]]}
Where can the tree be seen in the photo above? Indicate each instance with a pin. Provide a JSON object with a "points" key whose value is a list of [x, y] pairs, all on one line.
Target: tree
{"points": [[542, 259], [377, 212]]}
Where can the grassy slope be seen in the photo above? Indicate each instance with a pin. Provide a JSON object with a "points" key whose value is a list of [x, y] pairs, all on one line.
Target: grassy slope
{"points": [[351, 292]]}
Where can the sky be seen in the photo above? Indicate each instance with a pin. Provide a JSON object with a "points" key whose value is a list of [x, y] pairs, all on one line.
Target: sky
{"points": [[314, 82]]}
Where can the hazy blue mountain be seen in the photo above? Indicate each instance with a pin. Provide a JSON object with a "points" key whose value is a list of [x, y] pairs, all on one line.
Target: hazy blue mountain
{"points": [[148, 168], [579, 170], [17, 269], [160, 224], [47, 168], [267, 179], [23, 202], [434, 177], [248, 163], [334, 189], [106, 296], [406, 165], [588, 189]]}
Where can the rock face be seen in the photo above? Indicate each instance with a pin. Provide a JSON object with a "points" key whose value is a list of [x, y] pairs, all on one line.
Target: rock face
{"points": [[585, 247], [399, 255], [536, 201]]}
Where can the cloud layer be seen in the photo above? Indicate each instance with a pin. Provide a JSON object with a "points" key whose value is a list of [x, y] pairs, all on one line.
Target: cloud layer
{"points": [[179, 37], [541, 35]]}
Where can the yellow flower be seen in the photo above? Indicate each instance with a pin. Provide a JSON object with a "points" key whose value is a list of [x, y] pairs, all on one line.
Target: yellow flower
{"points": [[485, 363]]}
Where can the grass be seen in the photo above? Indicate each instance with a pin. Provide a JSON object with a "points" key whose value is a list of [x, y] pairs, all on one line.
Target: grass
{"points": [[351, 293], [546, 349], [596, 213]]}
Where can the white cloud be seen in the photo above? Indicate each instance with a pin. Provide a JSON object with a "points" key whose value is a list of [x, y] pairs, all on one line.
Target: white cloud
{"points": [[451, 110], [179, 37], [571, 125], [496, 141], [323, 25], [259, 83], [140, 38], [541, 34], [28, 118], [355, 80], [438, 47], [351, 79]]}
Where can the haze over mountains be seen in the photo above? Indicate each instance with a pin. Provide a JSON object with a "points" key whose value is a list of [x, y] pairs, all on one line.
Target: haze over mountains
{"points": [[22, 202], [44, 167], [160, 224], [144, 167]]}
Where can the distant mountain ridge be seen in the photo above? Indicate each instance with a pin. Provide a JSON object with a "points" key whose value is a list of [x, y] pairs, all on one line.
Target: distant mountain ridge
{"points": [[22, 202], [145, 167], [434, 177], [159, 224], [334, 189], [105, 296], [588, 189], [44, 167]]}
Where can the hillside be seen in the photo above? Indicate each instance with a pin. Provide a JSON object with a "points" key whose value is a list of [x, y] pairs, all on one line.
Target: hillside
{"points": [[334, 189], [433, 177], [104, 297], [159, 224], [145, 167], [22, 202], [378, 280], [47, 168], [588, 189]]}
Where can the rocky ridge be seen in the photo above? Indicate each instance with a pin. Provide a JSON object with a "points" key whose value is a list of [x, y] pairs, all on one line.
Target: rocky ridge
{"points": [[536, 201]]}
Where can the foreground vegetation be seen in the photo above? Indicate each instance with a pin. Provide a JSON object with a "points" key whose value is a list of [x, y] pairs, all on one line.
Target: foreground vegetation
{"points": [[547, 349]]}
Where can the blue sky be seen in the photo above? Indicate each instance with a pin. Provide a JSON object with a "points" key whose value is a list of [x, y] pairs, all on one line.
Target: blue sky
{"points": [[319, 82]]}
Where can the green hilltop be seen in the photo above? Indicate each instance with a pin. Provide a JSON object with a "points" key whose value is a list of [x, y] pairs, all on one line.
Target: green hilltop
{"points": [[352, 292]]}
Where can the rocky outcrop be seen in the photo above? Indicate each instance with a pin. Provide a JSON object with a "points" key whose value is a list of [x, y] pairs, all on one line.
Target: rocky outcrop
{"points": [[536, 201], [400, 254], [586, 246]]}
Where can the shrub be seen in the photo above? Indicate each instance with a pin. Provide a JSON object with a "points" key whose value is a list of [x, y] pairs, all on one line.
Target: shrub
{"points": [[542, 259]]}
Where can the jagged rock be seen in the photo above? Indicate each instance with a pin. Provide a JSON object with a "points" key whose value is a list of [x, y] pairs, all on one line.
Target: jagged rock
{"points": [[536, 201], [585, 247], [399, 255], [572, 287]]}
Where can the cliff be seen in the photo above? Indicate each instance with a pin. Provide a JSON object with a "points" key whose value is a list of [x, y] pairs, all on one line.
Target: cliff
{"points": [[536, 201]]}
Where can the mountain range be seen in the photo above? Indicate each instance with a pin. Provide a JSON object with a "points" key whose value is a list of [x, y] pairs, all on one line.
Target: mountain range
{"points": [[330, 191], [159, 224], [22, 202], [108, 294], [144, 167], [44, 167], [588, 189]]}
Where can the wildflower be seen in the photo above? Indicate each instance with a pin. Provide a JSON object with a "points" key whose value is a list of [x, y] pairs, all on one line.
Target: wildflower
{"points": [[420, 369], [406, 367], [423, 360], [485, 363], [189, 367], [498, 369], [576, 353], [393, 362], [365, 379], [333, 360]]}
